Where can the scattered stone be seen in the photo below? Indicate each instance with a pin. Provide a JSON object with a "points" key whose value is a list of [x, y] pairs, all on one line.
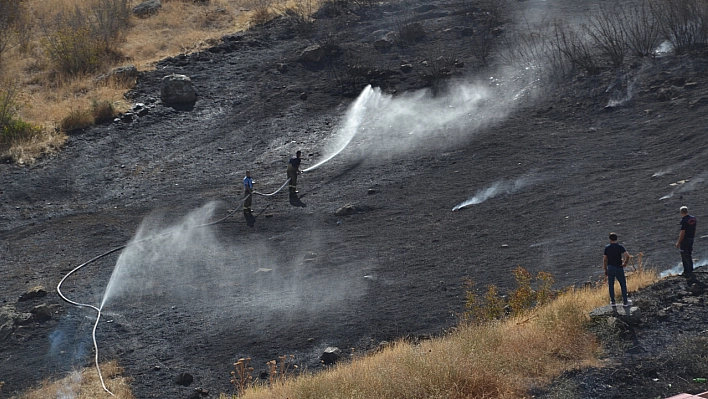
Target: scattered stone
{"points": [[347, 209], [282, 68], [371, 191], [330, 355], [147, 8], [32, 294], [383, 40], [177, 89], [405, 68], [42, 313], [310, 257], [184, 379], [313, 53], [127, 117], [263, 270], [303, 96], [690, 85]]}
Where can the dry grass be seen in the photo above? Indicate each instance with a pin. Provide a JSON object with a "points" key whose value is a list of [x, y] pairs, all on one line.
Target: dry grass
{"points": [[499, 359], [52, 100], [85, 385]]}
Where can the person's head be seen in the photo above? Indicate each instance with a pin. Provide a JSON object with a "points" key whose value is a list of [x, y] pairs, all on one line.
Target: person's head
{"points": [[684, 210], [613, 237], [297, 154], [248, 173]]}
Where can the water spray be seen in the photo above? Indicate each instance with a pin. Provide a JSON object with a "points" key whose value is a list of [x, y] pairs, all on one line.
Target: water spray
{"points": [[499, 187], [354, 118], [99, 309]]}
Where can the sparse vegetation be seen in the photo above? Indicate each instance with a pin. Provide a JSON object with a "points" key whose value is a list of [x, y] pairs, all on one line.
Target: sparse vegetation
{"points": [[85, 384]]}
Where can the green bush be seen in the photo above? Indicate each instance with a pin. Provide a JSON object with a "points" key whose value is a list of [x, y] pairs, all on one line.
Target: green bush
{"points": [[18, 130]]}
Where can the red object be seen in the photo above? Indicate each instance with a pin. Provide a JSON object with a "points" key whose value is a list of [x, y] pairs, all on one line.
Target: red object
{"points": [[703, 395]]}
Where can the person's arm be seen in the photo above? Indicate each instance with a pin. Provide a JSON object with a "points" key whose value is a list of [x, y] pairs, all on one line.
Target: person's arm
{"points": [[604, 263], [678, 243], [627, 256]]}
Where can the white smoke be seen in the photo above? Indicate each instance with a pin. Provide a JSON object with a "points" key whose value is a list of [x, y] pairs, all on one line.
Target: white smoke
{"points": [[497, 188], [678, 268]]}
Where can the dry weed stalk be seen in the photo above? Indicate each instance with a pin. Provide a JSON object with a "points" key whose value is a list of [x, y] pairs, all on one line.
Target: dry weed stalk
{"points": [[242, 376]]}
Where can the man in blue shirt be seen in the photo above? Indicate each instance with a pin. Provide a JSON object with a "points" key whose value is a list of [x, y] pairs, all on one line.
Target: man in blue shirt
{"points": [[614, 261], [293, 171], [685, 241], [247, 192]]}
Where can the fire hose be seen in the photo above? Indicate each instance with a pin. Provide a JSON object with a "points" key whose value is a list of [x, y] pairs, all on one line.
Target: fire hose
{"points": [[99, 309]]}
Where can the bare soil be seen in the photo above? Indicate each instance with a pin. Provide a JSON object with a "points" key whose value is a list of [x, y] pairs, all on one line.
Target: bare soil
{"points": [[392, 269]]}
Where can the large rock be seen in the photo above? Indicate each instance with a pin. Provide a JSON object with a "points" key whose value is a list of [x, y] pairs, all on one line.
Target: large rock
{"points": [[147, 8], [42, 313], [312, 53], [177, 89], [32, 294], [628, 314], [330, 355]]}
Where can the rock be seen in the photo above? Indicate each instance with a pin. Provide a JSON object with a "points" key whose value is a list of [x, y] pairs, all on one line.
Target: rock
{"points": [[124, 74], [147, 8], [371, 191], [310, 257], [405, 68], [127, 117], [313, 53], [139, 109], [330, 355], [42, 313], [7, 321], [184, 379], [177, 89], [347, 209], [303, 96], [32, 294], [412, 32], [383, 40], [282, 68], [628, 314]]}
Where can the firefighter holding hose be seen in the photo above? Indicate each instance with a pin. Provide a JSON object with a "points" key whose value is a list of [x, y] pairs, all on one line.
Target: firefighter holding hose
{"points": [[247, 192], [293, 171]]}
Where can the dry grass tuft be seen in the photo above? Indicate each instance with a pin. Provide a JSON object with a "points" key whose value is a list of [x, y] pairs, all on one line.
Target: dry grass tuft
{"points": [[85, 385]]}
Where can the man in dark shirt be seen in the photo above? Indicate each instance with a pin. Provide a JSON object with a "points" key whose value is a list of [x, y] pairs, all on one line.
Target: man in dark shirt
{"points": [[685, 241], [293, 171], [614, 261]]}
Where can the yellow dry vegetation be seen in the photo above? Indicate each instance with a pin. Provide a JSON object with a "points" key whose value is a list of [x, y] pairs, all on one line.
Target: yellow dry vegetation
{"points": [[85, 385], [45, 96], [499, 359]]}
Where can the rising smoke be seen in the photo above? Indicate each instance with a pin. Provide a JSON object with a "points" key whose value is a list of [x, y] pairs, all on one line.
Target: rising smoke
{"points": [[678, 268]]}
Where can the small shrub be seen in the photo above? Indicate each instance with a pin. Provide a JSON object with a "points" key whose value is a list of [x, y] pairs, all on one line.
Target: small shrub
{"points": [[641, 30], [574, 48], [606, 29], [684, 23], [73, 50], [691, 357], [77, 119], [102, 111], [261, 11]]}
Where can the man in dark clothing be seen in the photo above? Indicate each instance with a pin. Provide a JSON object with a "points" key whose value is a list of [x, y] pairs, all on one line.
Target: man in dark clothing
{"points": [[293, 171], [614, 261], [685, 241], [247, 192]]}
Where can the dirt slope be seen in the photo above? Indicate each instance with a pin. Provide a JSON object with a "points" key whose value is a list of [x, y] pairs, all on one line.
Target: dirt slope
{"points": [[393, 268]]}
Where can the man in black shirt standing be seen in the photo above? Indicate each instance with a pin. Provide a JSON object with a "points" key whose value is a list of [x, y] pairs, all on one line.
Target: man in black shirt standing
{"points": [[685, 241], [614, 264]]}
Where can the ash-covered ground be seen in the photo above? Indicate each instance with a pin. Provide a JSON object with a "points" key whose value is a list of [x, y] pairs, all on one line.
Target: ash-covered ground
{"points": [[549, 170]]}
